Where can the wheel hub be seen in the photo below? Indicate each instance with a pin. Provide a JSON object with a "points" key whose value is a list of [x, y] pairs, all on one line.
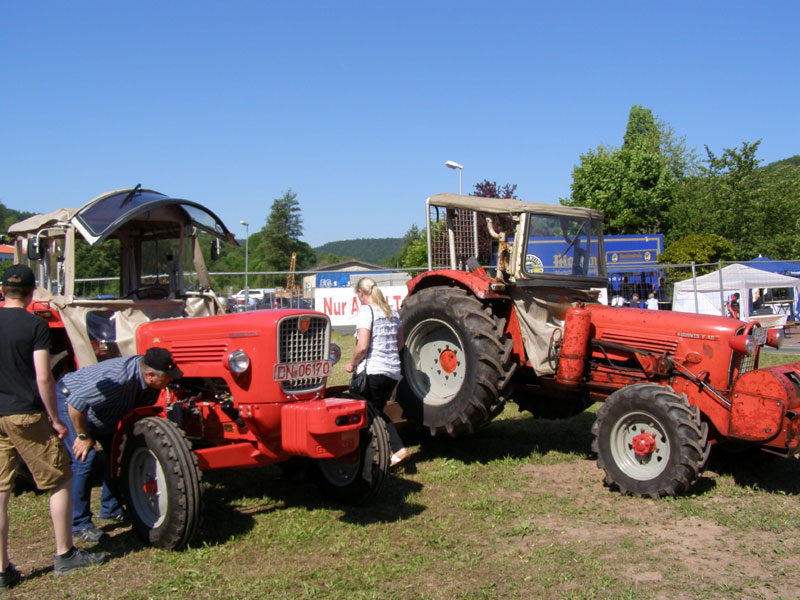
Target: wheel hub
{"points": [[644, 444], [448, 361], [150, 486]]}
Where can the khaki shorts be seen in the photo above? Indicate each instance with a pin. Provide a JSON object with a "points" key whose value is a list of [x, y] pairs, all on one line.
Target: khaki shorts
{"points": [[37, 443]]}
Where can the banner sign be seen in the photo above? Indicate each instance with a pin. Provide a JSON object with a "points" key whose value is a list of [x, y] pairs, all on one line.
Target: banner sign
{"points": [[341, 304], [332, 280], [625, 251]]}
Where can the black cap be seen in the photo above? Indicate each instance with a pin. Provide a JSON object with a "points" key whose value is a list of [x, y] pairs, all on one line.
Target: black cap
{"points": [[161, 360], [19, 276]]}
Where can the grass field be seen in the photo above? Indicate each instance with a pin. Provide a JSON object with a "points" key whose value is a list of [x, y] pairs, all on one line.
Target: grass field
{"points": [[517, 510]]}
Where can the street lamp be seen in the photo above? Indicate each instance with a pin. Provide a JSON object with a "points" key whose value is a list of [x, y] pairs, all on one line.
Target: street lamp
{"points": [[451, 164], [246, 243], [454, 165]]}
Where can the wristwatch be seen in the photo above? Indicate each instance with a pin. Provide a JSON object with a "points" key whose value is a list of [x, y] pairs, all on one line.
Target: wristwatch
{"points": [[84, 436]]}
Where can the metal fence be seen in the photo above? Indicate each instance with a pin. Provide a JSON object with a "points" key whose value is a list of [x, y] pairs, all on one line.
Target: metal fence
{"points": [[627, 288]]}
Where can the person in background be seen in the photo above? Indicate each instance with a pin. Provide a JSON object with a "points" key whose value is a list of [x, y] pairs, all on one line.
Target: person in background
{"points": [[91, 401], [733, 306], [635, 302], [379, 340], [29, 424], [652, 302]]}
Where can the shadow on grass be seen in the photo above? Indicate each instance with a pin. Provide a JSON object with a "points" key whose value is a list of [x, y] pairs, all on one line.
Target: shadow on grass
{"points": [[758, 469], [232, 499], [519, 437]]}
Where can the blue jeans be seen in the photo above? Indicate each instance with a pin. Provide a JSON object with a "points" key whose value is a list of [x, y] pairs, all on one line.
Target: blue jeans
{"points": [[110, 505]]}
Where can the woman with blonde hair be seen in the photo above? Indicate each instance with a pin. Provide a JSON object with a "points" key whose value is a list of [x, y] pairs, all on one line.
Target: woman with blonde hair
{"points": [[379, 339]]}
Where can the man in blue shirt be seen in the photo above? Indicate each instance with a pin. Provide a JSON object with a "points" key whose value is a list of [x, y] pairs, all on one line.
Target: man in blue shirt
{"points": [[91, 401]]}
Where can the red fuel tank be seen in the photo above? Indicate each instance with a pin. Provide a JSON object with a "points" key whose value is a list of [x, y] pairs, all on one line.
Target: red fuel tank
{"points": [[574, 347]]}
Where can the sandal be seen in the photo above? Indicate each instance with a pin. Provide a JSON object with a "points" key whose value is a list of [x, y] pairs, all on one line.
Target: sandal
{"points": [[399, 457]]}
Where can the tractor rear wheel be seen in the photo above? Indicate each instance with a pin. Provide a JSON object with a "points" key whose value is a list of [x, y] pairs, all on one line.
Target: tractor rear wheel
{"points": [[161, 483], [650, 441], [357, 477], [453, 363]]}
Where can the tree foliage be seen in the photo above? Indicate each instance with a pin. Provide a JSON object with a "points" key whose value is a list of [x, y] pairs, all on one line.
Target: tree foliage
{"points": [[633, 185], [756, 209], [698, 248], [9, 216], [273, 246], [414, 252]]}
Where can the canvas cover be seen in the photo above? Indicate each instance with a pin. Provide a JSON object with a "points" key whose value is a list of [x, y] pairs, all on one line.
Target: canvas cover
{"points": [[541, 311], [37, 222], [735, 278], [510, 205], [128, 315]]}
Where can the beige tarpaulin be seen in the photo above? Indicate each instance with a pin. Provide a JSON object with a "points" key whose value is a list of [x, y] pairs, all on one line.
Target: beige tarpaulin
{"points": [[541, 311], [128, 315]]}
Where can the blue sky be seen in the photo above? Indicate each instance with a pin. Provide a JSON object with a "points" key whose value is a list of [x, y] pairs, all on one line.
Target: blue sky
{"points": [[356, 106]]}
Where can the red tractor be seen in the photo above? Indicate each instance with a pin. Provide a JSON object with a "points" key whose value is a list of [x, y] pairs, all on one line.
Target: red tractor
{"points": [[532, 331], [254, 386]]}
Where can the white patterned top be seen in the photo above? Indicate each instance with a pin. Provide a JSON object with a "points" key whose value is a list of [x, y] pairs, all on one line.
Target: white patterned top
{"points": [[383, 357]]}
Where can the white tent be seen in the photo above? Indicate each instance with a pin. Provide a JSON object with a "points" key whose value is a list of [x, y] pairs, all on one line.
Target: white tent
{"points": [[711, 297]]}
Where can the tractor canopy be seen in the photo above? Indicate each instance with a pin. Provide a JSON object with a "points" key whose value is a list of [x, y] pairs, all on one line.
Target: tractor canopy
{"points": [[137, 257]]}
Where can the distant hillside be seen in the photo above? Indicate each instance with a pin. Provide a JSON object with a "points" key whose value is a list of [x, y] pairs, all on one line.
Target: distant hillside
{"points": [[793, 161], [374, 250]]}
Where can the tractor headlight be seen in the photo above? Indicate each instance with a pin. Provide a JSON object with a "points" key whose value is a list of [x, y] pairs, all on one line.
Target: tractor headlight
{"points": [[238, 361], [743, 344], [775, 338], [335, 354]]}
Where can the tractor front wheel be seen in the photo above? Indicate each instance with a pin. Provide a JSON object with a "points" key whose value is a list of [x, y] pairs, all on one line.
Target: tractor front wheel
{"points": [[357, 477], [650, 441], [161, 483]]}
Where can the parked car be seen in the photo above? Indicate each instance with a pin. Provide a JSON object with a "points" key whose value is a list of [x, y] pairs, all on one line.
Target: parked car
{"points": [[258, 296]]}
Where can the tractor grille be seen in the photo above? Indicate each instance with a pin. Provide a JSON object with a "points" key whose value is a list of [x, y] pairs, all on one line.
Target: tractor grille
{"points": [[746, 363], [650, 342], [194, 352], [296, 346]]}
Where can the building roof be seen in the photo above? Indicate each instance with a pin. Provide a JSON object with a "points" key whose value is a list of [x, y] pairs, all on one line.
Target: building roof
{"points": [[351, 265]]}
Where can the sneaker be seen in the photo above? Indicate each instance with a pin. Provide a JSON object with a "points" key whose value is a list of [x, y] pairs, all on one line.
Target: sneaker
{"points": [[398, 457], [115, 518], [77, 559], [10, 577], [90, 534]]}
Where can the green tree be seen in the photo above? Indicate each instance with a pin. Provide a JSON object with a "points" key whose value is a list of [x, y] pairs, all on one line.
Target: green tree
{"points": [[642, 130], [756, 209], [633, 185], [414, 251], [274, 245], [700, 248]]}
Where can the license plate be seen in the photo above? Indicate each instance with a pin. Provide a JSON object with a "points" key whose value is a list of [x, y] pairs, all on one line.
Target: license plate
{"points": [[759, 335], [311, 369]]}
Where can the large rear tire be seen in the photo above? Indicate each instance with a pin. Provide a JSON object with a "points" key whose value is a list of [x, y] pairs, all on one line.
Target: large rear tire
{"points": [[650, 441], [161, 484], [356, 478], [454, 361]]}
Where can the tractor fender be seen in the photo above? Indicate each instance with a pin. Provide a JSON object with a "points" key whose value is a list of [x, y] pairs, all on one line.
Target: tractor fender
{"points": [[479, 284], [476, 282], [123, 427]]}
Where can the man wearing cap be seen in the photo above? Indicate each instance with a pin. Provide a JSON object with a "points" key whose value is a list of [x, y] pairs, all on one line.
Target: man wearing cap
{"points": [[91, 401], [29, 423]]}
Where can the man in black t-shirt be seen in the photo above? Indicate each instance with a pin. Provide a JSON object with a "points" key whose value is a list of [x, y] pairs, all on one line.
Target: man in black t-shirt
{"points": [[29, 423]]}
